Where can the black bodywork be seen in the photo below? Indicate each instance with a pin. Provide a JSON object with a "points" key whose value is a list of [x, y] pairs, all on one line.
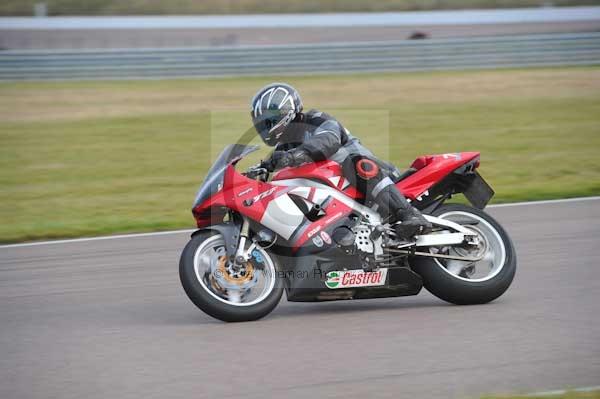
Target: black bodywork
{"points": [[306, 271]]}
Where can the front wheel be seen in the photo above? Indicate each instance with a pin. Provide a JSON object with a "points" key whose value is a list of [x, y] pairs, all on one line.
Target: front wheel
{"points": [[467, 283], [224, 291]]}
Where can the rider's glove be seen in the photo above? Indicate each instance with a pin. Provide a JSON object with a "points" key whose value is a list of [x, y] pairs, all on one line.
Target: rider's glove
{"points": [[273, 161], [268, 164], [284, 159]]}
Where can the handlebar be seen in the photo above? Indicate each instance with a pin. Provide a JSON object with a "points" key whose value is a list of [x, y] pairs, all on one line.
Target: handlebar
{"points": [[256, 171]]}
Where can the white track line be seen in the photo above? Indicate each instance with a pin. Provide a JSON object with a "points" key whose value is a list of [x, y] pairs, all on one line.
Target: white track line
{"points": [[161, 233], [563, 391], [558, 201], [75, 240]]}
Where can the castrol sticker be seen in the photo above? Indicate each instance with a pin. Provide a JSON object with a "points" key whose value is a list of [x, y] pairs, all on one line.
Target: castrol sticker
{"points": [[355, 278]]}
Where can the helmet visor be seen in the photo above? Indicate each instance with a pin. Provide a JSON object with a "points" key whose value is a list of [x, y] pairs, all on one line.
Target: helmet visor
{"points": [[271, 124]]}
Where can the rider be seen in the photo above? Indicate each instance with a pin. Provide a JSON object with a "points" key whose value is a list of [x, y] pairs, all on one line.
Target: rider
{"points": [[303, 137]]}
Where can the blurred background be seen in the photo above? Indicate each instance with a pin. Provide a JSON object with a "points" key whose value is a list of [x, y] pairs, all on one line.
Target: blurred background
{"points": [[113, 111]]}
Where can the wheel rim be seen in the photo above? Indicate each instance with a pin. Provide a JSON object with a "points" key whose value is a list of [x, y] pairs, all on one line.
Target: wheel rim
{"points": [[492, 248], [240, 286]]}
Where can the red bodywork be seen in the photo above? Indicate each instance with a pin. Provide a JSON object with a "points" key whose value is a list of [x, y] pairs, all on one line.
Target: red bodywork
{"points": [[251, 197], [237, 188], [324, 171], [430, 170]]}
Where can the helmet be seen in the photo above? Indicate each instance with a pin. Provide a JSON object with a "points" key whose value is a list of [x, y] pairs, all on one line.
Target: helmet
{"points": [[274, 107]]}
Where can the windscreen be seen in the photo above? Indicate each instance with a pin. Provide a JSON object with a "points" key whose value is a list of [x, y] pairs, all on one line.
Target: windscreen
{"points": [[214, 178]]}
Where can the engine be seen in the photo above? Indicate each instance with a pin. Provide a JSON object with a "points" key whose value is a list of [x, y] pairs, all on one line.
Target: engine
{"points": [[362, 238]]}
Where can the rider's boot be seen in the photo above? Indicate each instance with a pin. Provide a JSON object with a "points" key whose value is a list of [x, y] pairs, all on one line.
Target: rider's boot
{"points": [[394, 208]]}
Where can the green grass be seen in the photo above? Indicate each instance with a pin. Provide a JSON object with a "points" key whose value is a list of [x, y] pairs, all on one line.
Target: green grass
{"points": [[89, 158], [141, 7], [568, 395]]}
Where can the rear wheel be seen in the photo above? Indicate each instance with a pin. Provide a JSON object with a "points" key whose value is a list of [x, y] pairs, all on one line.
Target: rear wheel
{"points": [[466, 283], [225, 291]]}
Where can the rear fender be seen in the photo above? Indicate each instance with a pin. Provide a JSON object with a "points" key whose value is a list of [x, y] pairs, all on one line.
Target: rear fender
{"points": [[464, 179], [431, 170]]}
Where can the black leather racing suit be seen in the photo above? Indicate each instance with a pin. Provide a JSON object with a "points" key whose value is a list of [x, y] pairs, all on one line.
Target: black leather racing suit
{"points": [[317, 136]]}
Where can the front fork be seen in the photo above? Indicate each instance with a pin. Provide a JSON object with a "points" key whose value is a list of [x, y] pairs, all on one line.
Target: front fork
{"points": [[242, 254]]}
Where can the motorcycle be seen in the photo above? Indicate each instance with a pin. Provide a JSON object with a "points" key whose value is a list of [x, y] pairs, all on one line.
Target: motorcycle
{"points": [[307, 231]]}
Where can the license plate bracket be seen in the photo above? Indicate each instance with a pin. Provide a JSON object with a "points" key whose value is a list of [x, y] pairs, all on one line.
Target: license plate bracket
{"points": [[479, 192]]}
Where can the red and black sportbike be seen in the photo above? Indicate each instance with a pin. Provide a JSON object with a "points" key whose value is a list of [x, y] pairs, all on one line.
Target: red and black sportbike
{"points": [[307, 231]]}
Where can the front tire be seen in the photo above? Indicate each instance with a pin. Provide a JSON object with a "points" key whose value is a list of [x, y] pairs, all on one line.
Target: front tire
{"points": [[223, 295], [457, 282]]}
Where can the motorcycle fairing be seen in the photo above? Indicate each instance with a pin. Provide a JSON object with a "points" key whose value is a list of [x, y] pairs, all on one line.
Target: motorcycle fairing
{"points": [[430, 170], [321, 183], [213, 182], [260, 201], [306, 274], [337, 206], [271, 206]]}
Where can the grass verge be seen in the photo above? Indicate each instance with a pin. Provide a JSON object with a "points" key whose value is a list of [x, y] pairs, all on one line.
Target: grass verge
{"points": [[89, 158]]}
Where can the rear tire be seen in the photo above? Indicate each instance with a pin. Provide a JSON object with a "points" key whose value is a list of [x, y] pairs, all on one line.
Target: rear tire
{"points": [[209, 302], [459, 289]]}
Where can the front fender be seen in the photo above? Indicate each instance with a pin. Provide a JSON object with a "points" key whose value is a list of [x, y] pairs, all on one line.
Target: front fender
{"points": [[230, 232]]}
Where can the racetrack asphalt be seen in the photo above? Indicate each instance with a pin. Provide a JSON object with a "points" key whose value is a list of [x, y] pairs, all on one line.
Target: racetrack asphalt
{"points": [[108, 319]]}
